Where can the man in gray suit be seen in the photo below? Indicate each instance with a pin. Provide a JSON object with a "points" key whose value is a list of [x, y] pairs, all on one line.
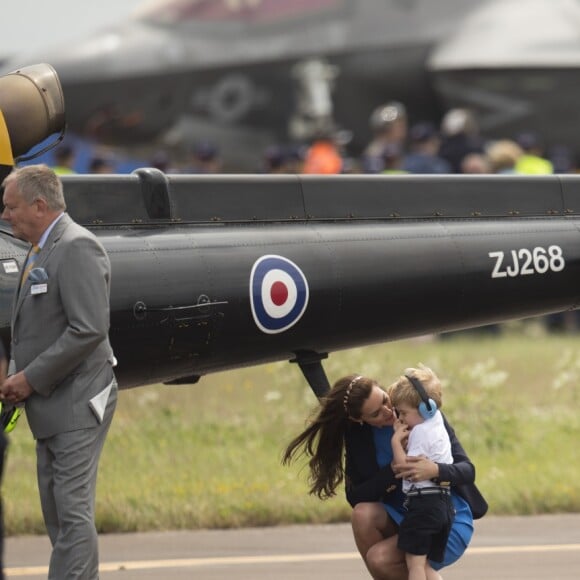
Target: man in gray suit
{"points": [[61, 363]]}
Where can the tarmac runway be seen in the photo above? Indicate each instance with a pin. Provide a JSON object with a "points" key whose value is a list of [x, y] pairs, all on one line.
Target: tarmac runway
{"points": [[503, 548]]}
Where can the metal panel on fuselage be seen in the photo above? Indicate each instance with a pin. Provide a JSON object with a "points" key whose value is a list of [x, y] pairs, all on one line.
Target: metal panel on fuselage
{"points": [[368, 282], [210, 273]]}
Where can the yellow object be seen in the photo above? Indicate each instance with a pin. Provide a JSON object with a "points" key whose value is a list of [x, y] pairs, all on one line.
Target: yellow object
{"points": [[60, 170], [533, 165], [6, 157], [9, 422], [15, 414]]}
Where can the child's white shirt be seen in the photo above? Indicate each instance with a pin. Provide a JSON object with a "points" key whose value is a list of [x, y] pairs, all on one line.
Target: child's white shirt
{"points": [[429, 438]]}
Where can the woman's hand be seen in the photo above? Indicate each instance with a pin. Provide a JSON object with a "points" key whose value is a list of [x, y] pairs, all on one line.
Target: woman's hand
{"points": [[416, 469]]}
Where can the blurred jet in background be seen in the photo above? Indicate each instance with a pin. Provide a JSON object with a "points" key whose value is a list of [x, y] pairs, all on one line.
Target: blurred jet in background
{"points": [[515, 64], [248, 73]]}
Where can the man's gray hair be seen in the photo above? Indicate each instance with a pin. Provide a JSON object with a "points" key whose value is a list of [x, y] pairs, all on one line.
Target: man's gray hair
{"points": [[39, 181]]}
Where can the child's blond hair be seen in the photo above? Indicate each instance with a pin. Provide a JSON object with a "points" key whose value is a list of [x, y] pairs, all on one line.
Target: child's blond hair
{"points": [[403, 391]]}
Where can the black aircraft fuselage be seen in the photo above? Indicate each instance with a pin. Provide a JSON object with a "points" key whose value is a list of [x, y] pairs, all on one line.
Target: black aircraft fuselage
{"points": [[217, 272]]}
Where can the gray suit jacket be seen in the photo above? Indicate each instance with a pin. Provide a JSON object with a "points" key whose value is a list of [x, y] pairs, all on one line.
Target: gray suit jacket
{"points": [[60, 332]]}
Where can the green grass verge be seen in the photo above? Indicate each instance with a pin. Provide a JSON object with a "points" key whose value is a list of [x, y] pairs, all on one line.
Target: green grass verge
{"points": [[208, 455]]}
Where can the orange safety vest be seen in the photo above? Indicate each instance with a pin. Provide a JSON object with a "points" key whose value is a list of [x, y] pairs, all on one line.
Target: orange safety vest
{"points": [[322, 157]]}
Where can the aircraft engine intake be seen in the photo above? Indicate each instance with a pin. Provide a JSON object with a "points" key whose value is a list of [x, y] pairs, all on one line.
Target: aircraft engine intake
{"points": [[31, 109]]}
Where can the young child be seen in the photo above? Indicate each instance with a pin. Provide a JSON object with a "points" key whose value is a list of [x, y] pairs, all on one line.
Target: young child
{"points": [[425, 528]]}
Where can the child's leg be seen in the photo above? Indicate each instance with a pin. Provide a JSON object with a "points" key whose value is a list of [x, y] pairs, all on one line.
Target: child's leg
{"points": [[430, 573], [416, 566]]}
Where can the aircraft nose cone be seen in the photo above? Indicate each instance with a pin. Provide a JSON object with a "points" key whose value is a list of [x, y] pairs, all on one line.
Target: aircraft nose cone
{"points": [[129, 50], [118, 84]]}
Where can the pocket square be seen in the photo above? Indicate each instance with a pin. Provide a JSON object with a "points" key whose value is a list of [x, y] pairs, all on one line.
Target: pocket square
{"points": [[38, 275], [98, 403]]}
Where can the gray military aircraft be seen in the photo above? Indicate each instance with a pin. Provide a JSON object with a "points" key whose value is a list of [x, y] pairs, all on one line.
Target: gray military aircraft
{"points": [[516, 65], [217, 272], [248, 73]]}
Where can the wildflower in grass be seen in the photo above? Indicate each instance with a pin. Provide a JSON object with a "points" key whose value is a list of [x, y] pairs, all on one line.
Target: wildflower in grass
{"points": [[148, 397]]}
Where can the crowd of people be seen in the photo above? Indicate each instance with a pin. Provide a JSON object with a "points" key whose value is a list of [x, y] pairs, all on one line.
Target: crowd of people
{"points": [[397, 146], [455, 146]]}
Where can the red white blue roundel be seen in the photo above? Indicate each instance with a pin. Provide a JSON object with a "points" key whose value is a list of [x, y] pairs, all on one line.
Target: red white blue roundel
{"points": [[278, 293]]}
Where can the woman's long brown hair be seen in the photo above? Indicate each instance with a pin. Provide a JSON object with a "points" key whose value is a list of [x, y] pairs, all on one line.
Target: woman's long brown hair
{"points": [[323, 439]]}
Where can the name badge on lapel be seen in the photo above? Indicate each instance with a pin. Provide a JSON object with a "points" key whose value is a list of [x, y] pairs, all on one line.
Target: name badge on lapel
{"points": [[38, 289]]}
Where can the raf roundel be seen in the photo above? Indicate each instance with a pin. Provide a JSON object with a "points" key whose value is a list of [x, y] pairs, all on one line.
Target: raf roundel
{"points": [[278, 293]]}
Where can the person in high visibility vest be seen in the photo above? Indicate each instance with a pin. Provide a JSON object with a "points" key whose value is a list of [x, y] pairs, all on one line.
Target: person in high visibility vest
{"points": [[323, 157], [532, 162], [64, 159]]}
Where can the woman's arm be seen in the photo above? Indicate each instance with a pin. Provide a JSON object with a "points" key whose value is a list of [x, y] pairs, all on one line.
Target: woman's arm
{"points": [[420, 468], [365, 481], [375, 488]]}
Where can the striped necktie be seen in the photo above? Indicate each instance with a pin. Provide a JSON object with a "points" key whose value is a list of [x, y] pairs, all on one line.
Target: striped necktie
{"points": [[29, 263]]}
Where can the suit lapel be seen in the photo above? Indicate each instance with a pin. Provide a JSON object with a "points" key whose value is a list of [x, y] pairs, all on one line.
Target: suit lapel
{"points": [[42, 258]]}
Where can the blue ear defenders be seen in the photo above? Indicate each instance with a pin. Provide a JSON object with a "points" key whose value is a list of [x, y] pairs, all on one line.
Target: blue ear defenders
{"points": [[427, 407]]}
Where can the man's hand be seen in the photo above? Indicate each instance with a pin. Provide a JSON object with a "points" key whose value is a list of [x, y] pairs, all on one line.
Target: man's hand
{"points": [[15, 389]]}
